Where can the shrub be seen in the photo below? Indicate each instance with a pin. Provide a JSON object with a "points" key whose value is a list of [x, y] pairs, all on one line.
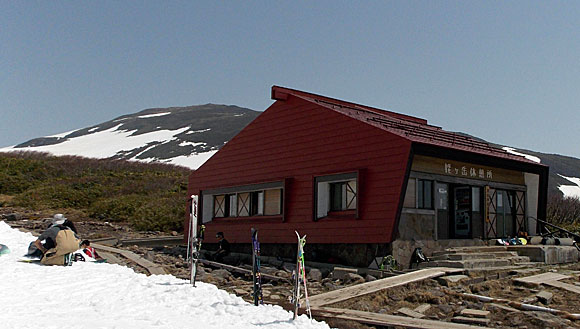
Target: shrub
{"points": [[149, 196]]}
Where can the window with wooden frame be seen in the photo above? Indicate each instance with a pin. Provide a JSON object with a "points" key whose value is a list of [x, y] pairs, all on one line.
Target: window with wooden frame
{"points": [[244, 201], [224, 205], [336, 194], [424, 194]]}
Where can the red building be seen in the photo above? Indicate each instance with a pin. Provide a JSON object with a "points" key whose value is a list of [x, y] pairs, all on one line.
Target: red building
{"points": [[351, 175]]}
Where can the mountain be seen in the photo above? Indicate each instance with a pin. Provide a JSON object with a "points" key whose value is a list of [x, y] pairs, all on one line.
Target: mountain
{"points": [[188, 136], [185, 136], [564, 172]]}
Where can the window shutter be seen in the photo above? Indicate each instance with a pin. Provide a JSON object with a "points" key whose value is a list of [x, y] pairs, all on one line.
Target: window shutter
{"points": [[322, 200]]}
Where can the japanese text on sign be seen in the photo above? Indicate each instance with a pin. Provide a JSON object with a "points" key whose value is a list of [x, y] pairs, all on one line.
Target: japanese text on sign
{"points": [[468, 171]]}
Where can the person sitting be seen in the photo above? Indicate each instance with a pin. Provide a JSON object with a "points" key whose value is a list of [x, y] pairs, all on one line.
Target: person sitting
{"points": [[223, 248], [90, 251], [68, 223], [59, 241], [86, 251]]}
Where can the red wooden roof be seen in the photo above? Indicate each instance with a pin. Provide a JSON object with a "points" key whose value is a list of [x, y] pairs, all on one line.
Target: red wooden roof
{"points": [[415, 129]]}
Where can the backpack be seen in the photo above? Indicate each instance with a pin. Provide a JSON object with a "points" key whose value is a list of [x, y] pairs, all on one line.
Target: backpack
{"points": [[66, 244]]}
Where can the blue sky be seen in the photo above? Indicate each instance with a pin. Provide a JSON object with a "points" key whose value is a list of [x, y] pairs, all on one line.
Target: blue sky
{"points": [[505, 71]]}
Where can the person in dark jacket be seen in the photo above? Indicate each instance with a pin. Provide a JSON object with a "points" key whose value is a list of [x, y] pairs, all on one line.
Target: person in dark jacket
{"points": [[37, 248], [223, 248]]}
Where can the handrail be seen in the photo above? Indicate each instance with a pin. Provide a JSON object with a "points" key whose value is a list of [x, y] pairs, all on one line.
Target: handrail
{"points": [[560, 229]]}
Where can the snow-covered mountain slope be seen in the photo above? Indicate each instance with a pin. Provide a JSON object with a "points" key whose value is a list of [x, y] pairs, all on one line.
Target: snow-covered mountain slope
{"points": [[572, 190], [563, 171], [101, 295], [185, 136]]}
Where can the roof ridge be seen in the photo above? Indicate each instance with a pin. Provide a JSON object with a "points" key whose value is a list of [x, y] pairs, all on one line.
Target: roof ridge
{"points": [[281, 93], [414, 129]]}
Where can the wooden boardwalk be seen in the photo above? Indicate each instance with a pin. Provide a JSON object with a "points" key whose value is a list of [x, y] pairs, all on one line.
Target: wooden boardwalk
{"points": [[387, 319], [378, 285], [150, 266], [550, 279]]}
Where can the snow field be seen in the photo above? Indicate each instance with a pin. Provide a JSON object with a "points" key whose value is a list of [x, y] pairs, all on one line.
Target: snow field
{"points": [[99, 295]]}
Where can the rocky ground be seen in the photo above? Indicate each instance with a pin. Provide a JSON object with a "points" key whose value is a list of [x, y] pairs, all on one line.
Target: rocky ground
{"points": [[440, 299]]}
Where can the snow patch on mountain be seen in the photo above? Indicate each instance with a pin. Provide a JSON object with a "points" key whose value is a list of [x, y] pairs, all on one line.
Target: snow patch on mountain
{"points": [[190, 161], [153, 115], [197, 131], [512, 150], [115, 141], [106, 143], [570, 191]]}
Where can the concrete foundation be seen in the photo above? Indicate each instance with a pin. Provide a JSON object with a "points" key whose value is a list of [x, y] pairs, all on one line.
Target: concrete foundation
{"points": [[548, 254]]}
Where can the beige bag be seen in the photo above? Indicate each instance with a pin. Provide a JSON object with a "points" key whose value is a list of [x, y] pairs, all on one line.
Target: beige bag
{"points": [[66, 243]]}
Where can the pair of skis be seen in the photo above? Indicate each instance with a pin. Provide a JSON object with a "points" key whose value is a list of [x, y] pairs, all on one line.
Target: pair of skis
{"points": [[256, 273], [300, 277], [194, 240]]}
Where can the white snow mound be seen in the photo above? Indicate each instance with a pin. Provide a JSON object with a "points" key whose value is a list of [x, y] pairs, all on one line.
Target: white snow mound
{"points": [[101, 295]]}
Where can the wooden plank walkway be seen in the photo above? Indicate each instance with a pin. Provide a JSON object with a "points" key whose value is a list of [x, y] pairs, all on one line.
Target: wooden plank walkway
{"points": [[550, 279], [563, 285], [150, 266], [542, 278], [378, 285], [111, 259], [387, 319]]}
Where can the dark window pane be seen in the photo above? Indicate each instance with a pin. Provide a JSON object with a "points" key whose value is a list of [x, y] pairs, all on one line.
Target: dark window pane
{"points": [[336, 196], [420, 193], [428, 195]]}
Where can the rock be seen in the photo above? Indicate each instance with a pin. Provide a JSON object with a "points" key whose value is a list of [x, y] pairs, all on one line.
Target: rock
{"points": [[275, 297], [150, 256], [422, 308], [369, 278], [282, 274], [241, 292], [474, 313], [529, 300], [314, 275], [452, 280], [437, 293], [342, 272], [445, 308], [222, 274], [475, 306], [545, 297], [352, 278], [268, 270], [330, 286], [396, 298], [12, 217]]}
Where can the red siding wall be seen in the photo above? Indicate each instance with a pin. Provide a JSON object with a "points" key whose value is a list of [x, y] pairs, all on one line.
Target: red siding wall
{"points": [[299, 140]]}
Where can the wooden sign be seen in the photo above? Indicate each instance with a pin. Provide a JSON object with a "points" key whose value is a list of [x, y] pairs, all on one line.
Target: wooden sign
{"points": [[466, 170]]}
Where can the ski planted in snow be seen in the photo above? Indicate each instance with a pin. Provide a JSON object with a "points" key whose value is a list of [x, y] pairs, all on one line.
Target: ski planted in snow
{"points": [[299, 276], [256, 273], [194, 240]]}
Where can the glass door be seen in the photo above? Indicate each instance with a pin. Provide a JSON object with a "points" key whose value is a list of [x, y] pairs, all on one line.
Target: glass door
{"points": [[442, 203], [462, 212]]}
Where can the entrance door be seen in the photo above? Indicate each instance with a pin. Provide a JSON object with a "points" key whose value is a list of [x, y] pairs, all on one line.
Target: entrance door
{"points": [[462, 212], [506, 221]]}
